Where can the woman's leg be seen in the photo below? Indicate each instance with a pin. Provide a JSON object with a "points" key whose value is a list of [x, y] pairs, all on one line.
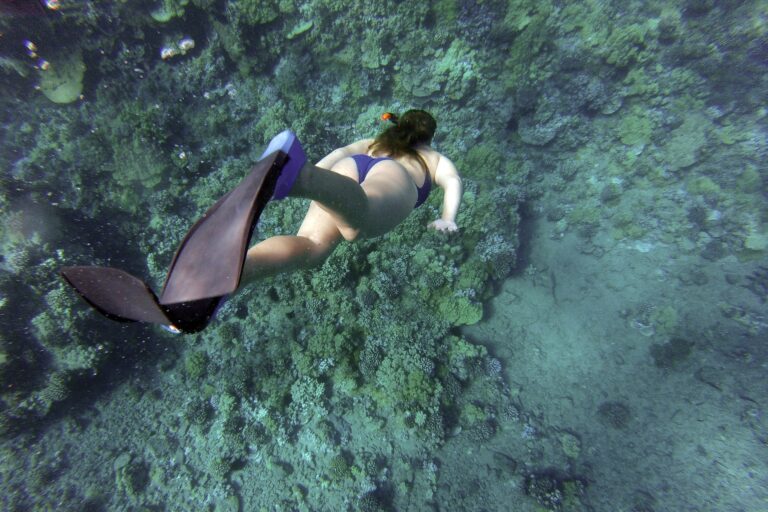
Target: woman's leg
{"points": [[315, 241], [281, 254], [337, 190], [384, 199], [340, 208]]}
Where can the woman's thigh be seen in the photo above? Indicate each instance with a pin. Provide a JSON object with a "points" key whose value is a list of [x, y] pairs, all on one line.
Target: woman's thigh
{"points": [[320, 227], [391, 195]]}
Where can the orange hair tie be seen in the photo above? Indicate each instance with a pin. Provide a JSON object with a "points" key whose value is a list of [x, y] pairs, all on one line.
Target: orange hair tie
{"points": [[389, 116]]}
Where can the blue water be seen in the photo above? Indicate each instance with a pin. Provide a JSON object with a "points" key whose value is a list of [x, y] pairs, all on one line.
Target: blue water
{"points": [[592, 338]]}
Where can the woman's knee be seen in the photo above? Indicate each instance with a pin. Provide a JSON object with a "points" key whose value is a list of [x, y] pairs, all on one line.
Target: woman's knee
{"points": [[318, 251]]}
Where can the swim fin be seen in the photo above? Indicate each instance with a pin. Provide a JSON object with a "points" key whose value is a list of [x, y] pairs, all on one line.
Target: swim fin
{"points": [[207, 265]]}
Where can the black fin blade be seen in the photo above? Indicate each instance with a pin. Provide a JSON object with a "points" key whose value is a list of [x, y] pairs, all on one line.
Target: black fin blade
{"points": [[116, 294], [209, 261], [194, 316]]}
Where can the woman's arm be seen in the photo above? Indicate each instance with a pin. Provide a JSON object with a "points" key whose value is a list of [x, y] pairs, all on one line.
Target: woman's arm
{"points": [[334, 156], [447, 178]]}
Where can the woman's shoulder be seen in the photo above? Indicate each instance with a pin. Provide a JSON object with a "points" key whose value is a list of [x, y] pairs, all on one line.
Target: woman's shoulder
{"points": [[427, 150], [363, 142], [430, 155], [358, 147]]}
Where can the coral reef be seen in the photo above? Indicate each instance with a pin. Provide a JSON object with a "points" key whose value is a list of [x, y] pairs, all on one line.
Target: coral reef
{"points": [[196, 364], [647, 120]]}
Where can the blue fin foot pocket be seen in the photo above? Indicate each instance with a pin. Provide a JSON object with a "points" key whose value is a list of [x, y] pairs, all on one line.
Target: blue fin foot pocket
{"points": [[287, 142]]}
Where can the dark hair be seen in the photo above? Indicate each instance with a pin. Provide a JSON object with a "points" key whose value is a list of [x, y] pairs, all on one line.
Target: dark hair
{"points": [[408, 131]]}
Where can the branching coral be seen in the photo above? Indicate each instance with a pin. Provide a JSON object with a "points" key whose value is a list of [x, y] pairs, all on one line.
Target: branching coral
{"points": [[196, 364]]}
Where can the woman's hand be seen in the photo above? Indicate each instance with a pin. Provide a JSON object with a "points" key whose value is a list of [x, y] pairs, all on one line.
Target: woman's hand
{"points": [[445, 226]]}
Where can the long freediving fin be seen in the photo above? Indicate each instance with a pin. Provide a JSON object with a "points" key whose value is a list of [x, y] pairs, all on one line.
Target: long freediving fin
{"points": [[115, 294], [209, 261], [206, 267]]}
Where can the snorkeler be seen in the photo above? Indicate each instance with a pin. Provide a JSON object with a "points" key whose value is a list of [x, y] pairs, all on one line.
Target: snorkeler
{"points": [[364, 189]]}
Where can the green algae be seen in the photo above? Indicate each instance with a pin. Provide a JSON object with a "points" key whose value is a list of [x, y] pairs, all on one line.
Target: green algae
{"points": [[635, 128], [685, 143]]}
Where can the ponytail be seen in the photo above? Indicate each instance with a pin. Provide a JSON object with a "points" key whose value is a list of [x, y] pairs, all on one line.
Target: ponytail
{"points": [[414, 127]]}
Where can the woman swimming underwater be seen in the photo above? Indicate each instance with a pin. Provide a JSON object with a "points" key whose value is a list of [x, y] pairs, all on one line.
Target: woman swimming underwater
{"points": [[364, 190]]}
